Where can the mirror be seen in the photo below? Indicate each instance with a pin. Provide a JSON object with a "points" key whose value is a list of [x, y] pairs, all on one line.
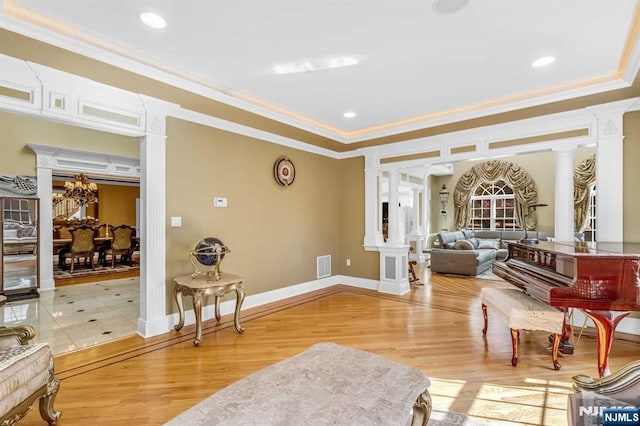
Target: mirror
{"points": [[19, 247]]}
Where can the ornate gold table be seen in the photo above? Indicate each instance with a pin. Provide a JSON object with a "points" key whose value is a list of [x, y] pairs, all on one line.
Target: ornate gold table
{"points": [[201, 287]]}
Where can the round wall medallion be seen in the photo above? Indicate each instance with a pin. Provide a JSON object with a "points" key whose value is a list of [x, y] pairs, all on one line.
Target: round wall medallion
{"points": [[284, 171]]}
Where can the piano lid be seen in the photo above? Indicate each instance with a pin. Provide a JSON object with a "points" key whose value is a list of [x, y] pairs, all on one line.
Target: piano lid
{"points": [[581, 248]]}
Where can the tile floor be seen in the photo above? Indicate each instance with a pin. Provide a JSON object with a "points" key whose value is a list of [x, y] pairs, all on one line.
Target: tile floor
{"points": [[78, 316]]}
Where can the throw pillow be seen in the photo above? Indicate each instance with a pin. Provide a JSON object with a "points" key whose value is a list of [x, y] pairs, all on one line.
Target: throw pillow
{"points": [[474, 242], [463, 245], [488, 244]]}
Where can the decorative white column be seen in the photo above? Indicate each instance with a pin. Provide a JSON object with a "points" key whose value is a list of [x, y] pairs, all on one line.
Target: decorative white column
{"points": [[394, 261], [609, 173], [415, 212], [564, 227], [393, 239], [426, 206], [44, 172], [416, 238], [373, 204], [153, 318]]}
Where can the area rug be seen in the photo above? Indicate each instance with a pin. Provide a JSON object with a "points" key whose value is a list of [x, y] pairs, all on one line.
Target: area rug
{"points": [[441, 417], [489, 275], [86, 271], [328, 384]]}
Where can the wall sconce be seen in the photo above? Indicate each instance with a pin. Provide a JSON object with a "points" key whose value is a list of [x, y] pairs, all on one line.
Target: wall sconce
{"points": [[444, 199]]}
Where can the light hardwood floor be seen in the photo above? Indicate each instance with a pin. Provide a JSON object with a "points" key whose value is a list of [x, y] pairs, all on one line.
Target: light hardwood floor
{"points": [[435, 328]]}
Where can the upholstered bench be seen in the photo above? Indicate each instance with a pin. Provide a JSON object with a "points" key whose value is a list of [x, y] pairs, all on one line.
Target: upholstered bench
{"points": [[26, 376], [327, 384], [521, 311]]}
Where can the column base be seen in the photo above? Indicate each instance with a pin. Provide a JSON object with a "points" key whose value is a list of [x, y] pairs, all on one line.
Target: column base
{"points": [[394, 270]]}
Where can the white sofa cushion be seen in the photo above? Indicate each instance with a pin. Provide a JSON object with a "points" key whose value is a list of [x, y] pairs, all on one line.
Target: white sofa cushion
{"points": [[23, 370]]}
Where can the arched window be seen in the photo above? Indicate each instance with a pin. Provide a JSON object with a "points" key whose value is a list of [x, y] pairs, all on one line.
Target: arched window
{"points": [[493, 207]]}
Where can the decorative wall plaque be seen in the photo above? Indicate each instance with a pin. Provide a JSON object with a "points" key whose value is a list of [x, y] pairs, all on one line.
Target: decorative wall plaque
{"points": [[284, 171]]}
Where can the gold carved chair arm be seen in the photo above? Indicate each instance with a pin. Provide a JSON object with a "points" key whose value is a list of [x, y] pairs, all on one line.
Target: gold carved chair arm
{"points": [[623, 379], [22, 334]]}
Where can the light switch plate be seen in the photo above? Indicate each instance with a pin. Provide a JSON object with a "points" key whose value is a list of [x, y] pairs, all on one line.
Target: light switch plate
{"points": [[176, 221]]}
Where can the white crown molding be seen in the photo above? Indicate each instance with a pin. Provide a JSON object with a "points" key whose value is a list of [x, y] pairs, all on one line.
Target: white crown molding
{"points": [[229, 126], [304, 123], [153, 72], [481, 112], [633, 64]]}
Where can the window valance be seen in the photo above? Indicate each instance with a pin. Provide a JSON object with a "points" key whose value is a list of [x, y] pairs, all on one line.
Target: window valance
{"points": [[584, 176], [524, 189]]}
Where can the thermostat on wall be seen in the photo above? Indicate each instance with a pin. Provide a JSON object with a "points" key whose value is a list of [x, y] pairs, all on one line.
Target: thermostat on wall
{"points": [[219, 201]]}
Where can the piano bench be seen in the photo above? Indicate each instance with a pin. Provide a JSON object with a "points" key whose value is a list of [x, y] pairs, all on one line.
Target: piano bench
{"points": [[521, 311]]}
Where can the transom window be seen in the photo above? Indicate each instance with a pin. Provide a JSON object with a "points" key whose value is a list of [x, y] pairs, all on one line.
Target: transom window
{"points": [[493, 207]]}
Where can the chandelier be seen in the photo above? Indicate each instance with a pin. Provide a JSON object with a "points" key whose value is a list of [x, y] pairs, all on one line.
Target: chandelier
{"points": [[81, 190]]}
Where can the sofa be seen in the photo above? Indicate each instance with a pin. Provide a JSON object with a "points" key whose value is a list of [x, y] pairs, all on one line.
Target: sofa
{"points": [[473, 252], [26, 376], [18, 237]]}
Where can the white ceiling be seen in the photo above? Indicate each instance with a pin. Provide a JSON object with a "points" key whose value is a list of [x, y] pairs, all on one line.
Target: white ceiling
{"points": [[420, 67]]}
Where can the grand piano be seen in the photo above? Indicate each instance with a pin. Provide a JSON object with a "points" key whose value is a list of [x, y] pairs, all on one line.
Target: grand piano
{"points": [[601, 279]]}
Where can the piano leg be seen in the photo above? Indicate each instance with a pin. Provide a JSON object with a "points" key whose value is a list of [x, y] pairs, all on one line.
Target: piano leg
{"points": [[484, 315], [606, 322], [515, 334]]}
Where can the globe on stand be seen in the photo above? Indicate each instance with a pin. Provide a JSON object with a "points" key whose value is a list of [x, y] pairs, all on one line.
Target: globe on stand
{"points": [[207, 257]]}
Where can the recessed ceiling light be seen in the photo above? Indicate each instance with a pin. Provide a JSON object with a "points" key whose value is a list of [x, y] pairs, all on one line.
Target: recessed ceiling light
{"points": [[317, 64], [543, 62], [349, 114], [446, 7], [153, 20]]}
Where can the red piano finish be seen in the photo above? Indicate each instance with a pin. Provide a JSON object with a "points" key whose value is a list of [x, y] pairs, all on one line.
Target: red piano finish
{"points": [[601, 279]]}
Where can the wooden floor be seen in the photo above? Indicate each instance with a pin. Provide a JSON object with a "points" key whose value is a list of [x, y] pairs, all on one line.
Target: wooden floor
{"points": [[435, 328]]}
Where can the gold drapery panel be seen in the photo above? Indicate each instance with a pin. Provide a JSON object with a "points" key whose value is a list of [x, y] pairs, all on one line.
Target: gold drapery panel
{"points": [[584, 176], [524, 189]]}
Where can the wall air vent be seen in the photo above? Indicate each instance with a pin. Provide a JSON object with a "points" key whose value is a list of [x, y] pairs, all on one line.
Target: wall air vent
{"points": [[323, 266]]}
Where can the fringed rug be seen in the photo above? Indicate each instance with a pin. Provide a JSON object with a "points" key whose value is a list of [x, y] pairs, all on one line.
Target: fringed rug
{"points": [[440, 417]]}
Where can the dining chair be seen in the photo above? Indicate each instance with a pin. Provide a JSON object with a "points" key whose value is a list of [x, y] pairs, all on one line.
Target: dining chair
{"points": [[121, 244], [103, 231], [82, 245]]}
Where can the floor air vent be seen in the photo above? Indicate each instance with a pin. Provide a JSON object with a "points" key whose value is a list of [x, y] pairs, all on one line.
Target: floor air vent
{"points": [[324, 266]]}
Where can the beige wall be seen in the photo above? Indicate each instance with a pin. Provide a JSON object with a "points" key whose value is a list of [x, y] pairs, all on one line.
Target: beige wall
{"points": [[631, 173], [117, 204], [18, 130], [364, 264], [274, 233]]}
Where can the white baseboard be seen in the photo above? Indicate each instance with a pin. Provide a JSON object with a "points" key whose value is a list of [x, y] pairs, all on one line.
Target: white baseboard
{"points": [[254, 300], [148, 329], [627, 325]]}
